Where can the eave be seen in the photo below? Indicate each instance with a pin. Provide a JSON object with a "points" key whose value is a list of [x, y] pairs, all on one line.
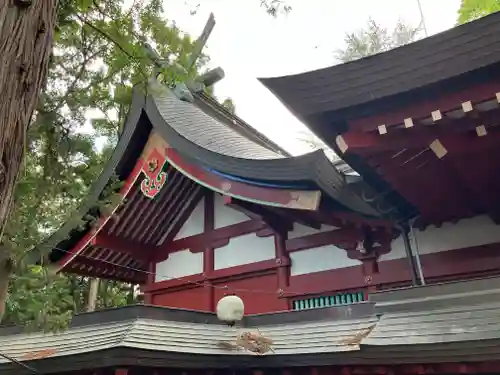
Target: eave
{"points": [[430, 325], [147, 137]]}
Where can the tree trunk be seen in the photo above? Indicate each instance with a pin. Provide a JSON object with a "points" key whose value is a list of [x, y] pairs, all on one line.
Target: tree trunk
{"points": [[131, 295], [26, 33], [5, 271], [92, 296]]}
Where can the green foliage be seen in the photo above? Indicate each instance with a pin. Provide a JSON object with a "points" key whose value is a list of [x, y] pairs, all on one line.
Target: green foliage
{"points": [[97, 59], [375, 39], [229, 105], [39, 298], [471, 10]]}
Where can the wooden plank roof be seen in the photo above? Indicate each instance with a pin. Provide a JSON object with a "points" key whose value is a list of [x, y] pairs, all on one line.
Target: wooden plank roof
{"points": [[432, 324]]}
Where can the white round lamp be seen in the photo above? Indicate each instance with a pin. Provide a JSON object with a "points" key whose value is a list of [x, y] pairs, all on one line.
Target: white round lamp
{"points": [[230, 309]]}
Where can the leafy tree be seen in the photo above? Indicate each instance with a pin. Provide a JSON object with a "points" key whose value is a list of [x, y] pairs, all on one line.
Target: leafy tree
{"points": [[26, 33], [375, 39], [363, 43], [471, 10], [98, 57]]}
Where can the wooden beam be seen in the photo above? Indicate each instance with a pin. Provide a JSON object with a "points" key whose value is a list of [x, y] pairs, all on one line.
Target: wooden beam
{"points": [[423, 109], [272, 217], [97, 268], [183, 213], [136, 250], [480, 181], [343, 236], [422, 180], [198, 242], [468, 144], [440, 142]]}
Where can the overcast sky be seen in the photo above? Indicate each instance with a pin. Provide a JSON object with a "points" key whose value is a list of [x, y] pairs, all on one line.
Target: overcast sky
{"points": [[247, 44]]}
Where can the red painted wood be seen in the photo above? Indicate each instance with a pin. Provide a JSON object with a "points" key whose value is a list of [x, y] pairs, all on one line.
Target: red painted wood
{"points": [[282, 197], [208, 254], [198, 242], [267, 300], [177, 219], [452, 101], [283, 259], [191, 299], [120, 245], [345, 237], [417, 138], [259, 291], [217, 275], [443, 266], [479, 367], [82, 243]]}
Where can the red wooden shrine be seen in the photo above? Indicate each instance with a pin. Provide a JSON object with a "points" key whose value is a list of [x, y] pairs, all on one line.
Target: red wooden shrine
{"points": [[376, 272]]}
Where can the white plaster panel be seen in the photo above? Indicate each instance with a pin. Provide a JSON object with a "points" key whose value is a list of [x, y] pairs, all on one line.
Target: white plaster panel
{"points": [[195, 223], [244, 250], [319, 259], [226, 216], [300, 230], [179, 264], [476, 231]]}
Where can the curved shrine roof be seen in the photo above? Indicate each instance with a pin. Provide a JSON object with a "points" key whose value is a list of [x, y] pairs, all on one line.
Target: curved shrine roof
{"points": [[205, 131], [197, 146], [438, 58]]}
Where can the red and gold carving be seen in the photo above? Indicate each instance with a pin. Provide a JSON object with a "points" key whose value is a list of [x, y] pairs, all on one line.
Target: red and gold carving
{"points": [[155, 176]]}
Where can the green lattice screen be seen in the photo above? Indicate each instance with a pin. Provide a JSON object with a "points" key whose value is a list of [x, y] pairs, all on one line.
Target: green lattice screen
{"points": [[327, 301]]}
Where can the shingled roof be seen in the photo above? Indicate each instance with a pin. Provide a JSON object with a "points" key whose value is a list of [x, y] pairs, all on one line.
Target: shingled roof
{"points": [[431, 324], [438, 58]]}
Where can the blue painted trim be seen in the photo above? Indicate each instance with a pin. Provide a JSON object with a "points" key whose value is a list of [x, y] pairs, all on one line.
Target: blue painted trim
{"points": [[303, 186]]}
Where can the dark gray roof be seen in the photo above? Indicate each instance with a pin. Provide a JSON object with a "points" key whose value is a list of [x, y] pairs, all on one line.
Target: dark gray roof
{"points": [[452, 320], [206, 131], [191, 339], [431, 60], [185, 337], [188, 130], [433, 324]]}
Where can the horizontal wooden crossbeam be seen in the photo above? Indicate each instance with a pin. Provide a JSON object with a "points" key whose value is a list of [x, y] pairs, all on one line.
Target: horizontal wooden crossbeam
{"points": [[135, 249]]}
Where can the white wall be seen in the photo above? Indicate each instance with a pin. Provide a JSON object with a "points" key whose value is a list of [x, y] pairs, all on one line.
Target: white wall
{"points": [[179, 264], [226, 216], [245, 249], [300, 230], [319, 259], [195, 223], [476, 231]]}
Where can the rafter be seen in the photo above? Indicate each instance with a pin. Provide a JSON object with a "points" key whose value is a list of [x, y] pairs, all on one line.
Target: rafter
{"points": [[136, 250], [179, 218], [423, 109], [371, 143], [427, 184], [271, 217]]}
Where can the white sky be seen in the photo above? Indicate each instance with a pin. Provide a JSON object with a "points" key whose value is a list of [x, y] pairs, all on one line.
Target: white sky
{"points": [[247, 43]]}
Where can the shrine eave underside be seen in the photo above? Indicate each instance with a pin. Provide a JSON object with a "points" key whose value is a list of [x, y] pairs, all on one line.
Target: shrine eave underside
{"points": [[442, 323], [145, 117]]}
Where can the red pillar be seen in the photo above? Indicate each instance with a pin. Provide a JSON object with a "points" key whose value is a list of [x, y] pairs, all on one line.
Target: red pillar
{"points": [[208, 251]]}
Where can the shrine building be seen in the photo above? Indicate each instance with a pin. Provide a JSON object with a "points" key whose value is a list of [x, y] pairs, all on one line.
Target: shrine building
{"points": [[385, 263]]}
